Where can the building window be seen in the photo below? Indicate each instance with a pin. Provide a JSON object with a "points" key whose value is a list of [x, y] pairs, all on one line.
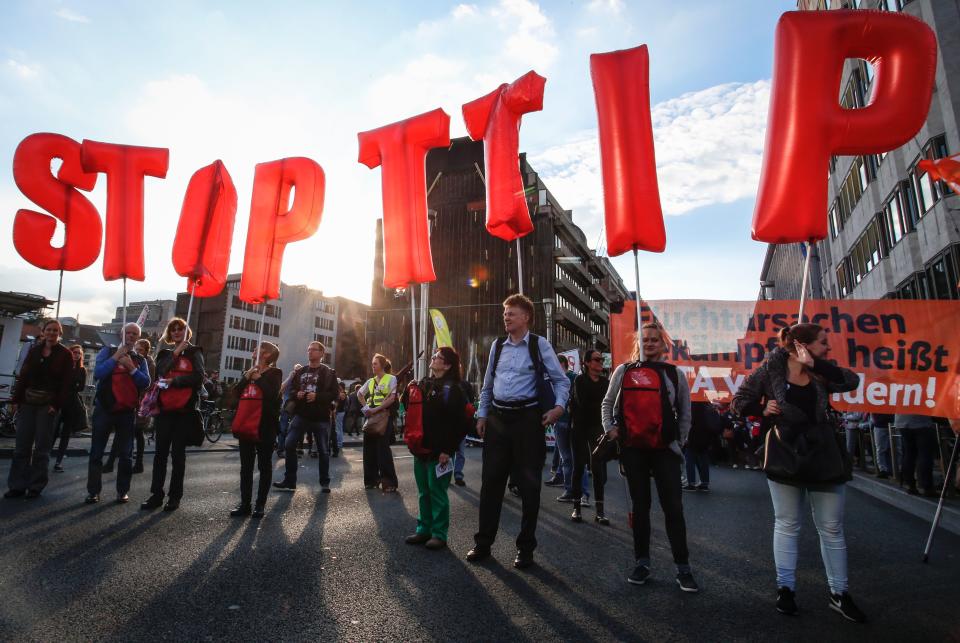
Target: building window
{"points": [[929, 191], [893, 222], [834, 220], [843, 283]]}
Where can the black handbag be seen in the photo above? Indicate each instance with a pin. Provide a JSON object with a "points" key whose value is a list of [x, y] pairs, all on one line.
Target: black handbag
{"points": [[606, 449], [816, 455], [194, 429]]}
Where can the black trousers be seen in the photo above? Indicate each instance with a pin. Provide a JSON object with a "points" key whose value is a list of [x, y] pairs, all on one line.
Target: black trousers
{"points": [[171, 440], [513, 447], [664, 465], [582, 441], [919, 446], [378, 459], [262, 452], [138, 435]]}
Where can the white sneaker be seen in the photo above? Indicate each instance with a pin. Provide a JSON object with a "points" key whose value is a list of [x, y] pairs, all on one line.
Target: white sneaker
{"points": [[584, 502]]}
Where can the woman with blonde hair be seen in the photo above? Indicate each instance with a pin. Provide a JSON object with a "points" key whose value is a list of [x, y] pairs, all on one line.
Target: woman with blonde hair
{"points": [[180, 377], [647, 408]]}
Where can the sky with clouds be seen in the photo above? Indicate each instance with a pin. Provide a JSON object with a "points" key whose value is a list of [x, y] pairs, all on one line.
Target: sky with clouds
{"points": [[249, 82]]}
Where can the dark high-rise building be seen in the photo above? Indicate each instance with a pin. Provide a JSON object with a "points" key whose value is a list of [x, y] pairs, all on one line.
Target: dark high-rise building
{"points": [[572, 288], [894, 232]]}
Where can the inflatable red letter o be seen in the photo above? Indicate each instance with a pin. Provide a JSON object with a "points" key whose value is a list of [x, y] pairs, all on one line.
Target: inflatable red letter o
{"points": [[58, 195], [496, 119], [807, 124], [125, 167], [272, 227], [402, 150], [631, 196], [201, 249]]}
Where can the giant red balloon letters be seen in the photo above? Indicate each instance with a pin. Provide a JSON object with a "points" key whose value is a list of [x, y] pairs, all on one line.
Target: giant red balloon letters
{"points": [[201, 249], [806, 125], [273, 226], [58, 195], [495, 118], [631, 196], [125, 167], [947, 169], [402, 150]]}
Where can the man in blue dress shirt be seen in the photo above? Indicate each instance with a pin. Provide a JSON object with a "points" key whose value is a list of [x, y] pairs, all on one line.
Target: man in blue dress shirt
{"points": [[511, 423]]}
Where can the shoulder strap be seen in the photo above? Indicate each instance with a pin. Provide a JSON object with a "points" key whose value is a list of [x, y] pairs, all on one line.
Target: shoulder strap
{"points": [[533, 343], [496, 355]]}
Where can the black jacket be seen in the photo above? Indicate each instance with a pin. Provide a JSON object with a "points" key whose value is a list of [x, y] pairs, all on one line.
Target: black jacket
{"points": [[269, 383], [56, 377], [444, 417], [193, 381], [585, 399], [321, 380]]}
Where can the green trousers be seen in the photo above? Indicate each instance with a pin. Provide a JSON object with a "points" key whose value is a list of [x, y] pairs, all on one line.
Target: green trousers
{"points": [[434, 518]]}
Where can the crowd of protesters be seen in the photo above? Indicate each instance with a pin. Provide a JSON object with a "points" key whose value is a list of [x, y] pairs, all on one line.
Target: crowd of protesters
{"points": [[640, 414]]}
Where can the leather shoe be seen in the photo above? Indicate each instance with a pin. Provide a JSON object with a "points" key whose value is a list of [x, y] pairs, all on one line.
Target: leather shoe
{"points": [[92, 499], [32, 493], [151, 503], [258, 511], [14, 493], [435, 543], [417, 539], [122, 499], [240, 510], [477, 554], [523, 560], [172, 505]]}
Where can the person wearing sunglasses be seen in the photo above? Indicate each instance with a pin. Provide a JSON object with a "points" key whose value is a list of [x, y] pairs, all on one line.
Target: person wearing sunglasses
{"points": [[589, 389]]}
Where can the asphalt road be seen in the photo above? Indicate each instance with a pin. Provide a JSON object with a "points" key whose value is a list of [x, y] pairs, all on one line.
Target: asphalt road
{"points": [[336, 567]]}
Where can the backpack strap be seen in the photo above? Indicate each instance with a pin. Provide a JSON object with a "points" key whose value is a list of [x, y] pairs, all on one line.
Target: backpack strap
{"points": [[533, 343], [496, 355]]}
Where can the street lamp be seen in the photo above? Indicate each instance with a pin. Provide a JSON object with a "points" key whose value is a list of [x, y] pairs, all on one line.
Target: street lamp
{"points": [[548, 312]]}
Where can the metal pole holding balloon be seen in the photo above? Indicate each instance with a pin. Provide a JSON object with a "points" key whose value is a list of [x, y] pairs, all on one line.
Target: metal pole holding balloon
{"points": [[413, 331], [59, 294], [636, 281], [806, 280], [123, 314]]}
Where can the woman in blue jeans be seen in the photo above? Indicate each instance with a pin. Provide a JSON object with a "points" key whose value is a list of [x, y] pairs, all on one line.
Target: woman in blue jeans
{"points": [[792, 387]]}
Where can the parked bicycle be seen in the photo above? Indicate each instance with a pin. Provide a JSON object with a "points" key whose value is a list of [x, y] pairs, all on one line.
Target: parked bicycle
{"points": [[213, 421], [8, 419]]}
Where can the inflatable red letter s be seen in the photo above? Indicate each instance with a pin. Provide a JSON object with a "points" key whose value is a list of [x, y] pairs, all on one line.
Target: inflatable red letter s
{"points": [[496, 119], [272, 226], [32, 231], [201, 249], [807, 124], [125, 167], [402, 150], [631, 196]]}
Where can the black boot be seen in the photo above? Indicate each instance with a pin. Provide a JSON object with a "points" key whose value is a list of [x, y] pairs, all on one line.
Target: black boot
{"points": [[243, 509], [600, 518], [575, 516]]}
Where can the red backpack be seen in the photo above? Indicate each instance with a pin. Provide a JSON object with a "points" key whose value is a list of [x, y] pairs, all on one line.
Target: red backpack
{"points": [[246, 421], [646, 415], [413, 426], [174, 399]]}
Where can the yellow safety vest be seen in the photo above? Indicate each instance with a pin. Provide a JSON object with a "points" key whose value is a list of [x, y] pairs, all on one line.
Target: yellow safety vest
{"points": [[379, 390]]}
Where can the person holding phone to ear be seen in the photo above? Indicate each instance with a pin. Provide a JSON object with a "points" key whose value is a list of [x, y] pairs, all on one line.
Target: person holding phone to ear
{"points": [[793, 387]]}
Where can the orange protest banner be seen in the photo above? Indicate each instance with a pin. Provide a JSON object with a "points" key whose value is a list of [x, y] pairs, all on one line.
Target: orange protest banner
{"points": [[905, 352]]}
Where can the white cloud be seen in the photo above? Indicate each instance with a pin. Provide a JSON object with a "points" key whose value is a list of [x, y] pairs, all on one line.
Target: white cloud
{"points": [[71, 16], [708, 147], [461, 56], [25, 71], [612, 6]]}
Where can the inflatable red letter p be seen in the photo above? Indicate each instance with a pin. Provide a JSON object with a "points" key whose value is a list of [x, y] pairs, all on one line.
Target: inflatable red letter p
{"points": [[272, 226], [402, 150], [806, 123]]}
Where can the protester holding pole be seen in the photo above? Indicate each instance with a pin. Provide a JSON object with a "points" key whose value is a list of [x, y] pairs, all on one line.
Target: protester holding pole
{"points": [[803, 456], [121, 376], [647, 408], [39, 395], [255, 425], [180, 376]]}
